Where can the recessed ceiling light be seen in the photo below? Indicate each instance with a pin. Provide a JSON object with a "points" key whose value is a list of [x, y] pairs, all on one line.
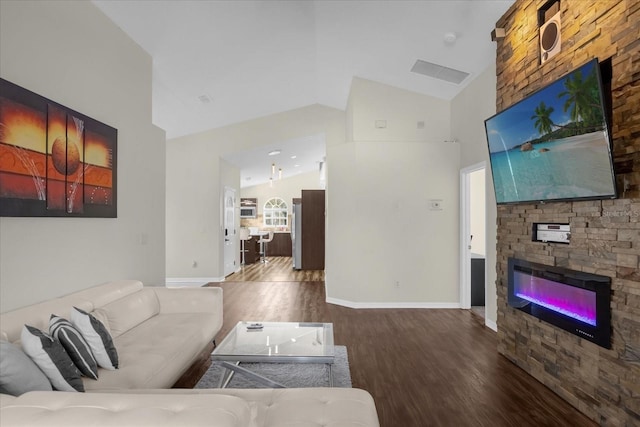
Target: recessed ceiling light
{"points": [[296, 166], [294, 156], [274, 152]]}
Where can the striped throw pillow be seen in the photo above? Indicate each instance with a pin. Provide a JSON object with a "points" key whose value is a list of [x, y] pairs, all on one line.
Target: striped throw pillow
{"points": [[76, 346], [98, 338], [52, 359]]}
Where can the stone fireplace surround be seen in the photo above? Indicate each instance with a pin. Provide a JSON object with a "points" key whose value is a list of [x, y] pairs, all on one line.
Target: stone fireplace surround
{"points": [[602, 383]]}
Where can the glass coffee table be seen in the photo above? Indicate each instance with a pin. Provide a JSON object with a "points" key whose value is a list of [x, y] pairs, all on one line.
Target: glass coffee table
{"points": [[274, 342]]}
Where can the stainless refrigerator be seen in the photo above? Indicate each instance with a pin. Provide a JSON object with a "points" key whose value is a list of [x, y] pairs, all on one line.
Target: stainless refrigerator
{"points": [[296, 235]]}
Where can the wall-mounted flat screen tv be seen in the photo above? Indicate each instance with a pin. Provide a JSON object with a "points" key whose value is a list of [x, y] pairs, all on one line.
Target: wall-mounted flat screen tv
{"points": [[554, 145]]}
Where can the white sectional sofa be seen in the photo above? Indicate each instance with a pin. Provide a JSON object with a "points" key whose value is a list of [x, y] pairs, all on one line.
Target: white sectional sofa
{"points": [[159, 333], [317, 407]]}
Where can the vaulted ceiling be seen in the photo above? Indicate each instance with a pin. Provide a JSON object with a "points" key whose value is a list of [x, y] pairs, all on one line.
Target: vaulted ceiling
{"points": [[222, 62], [217, 63]]}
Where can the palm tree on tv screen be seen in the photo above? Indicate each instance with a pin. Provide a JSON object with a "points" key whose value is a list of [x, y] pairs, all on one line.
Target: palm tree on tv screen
{"points": [[542, 117], [583, 98], [583, 103]]}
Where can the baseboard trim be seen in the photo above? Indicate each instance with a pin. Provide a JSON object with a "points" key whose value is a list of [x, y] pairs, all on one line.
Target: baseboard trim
{"points": [[190, 282], [491, 325], [353, 304]]}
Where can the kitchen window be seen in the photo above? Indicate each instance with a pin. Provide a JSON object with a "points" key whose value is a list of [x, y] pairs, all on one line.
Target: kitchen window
{"points": [[275, 213]]}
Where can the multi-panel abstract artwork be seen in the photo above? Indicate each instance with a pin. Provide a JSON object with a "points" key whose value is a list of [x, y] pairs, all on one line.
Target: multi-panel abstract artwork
{"points": [[54, 161]]}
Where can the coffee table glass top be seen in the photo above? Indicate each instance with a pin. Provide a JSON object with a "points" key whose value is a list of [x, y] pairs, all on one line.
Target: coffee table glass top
{"points": [[278, 341]]}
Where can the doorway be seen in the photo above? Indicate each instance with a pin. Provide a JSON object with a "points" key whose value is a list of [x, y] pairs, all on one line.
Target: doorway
{"points": [[473, 239], [230, 237]]}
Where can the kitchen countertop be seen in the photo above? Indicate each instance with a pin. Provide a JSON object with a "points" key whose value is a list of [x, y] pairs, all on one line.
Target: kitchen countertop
{"points": [[263, 232]]}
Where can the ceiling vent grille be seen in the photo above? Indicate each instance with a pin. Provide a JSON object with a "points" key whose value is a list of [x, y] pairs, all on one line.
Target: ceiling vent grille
{"points": [[439, 72]]}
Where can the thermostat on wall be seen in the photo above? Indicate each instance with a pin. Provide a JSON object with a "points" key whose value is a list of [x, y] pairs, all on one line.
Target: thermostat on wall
{"points": [[557, 233]]}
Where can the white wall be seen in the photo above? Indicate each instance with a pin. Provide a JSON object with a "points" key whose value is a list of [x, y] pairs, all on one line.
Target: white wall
{"points": [[193, 211], [194, 182], [70, 52], [468, 111], [381, 229], [400, 109]]}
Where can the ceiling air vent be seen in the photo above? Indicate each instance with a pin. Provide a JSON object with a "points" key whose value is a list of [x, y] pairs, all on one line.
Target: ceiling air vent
{"points": [[439, 72]]}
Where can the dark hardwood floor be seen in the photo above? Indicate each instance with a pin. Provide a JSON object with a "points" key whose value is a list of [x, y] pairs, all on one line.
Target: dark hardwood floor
{"points": [[424, 367], [277, 269]]}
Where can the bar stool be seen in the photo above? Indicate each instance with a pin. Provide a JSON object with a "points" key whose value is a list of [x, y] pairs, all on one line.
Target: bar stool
{"points": [[263, 245], [244, 236]]}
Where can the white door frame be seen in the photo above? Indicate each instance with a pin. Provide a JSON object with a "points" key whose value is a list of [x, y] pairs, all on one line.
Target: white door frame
{"points": [[465, 232], [230, 238]]}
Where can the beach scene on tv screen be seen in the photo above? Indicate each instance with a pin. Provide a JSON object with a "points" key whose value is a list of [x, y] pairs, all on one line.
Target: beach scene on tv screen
{"points": [[553, 144]]}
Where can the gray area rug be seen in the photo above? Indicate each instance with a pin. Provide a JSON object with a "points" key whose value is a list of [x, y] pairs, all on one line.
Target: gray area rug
{"points": [[291, 375]]}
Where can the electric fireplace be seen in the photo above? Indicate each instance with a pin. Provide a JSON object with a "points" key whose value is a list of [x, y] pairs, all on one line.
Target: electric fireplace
{"points": [[572, 300]]}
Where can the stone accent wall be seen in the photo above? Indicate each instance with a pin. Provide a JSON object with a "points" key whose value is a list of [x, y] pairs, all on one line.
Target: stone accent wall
{"points": [[603, 384]]}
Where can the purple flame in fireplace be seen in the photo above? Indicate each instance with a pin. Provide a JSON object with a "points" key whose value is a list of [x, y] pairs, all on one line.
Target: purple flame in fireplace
{"points": [[577, 303]]}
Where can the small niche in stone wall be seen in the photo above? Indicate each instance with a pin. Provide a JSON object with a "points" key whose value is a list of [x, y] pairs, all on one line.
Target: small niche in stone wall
{"points": [[549, 20], [556, 233]]}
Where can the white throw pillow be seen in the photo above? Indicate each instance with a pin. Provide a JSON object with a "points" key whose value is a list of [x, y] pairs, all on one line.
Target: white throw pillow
{"points": [[52, 359], [98, 338]]}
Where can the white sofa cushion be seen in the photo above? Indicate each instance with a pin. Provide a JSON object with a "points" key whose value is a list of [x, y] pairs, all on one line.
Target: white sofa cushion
{"points": [[108, 292], [38, 315], [305, 407], [157, 352], [129, 311], [295, 407], [120, 409]]}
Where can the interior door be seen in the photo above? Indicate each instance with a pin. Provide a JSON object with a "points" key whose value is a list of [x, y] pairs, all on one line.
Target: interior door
{"points": [[229, 232], [477, 245], [473, 238]]}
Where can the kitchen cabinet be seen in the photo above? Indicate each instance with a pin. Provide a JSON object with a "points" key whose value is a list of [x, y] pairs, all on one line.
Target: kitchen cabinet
{"points": [[251, 251], [280, 245]]}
